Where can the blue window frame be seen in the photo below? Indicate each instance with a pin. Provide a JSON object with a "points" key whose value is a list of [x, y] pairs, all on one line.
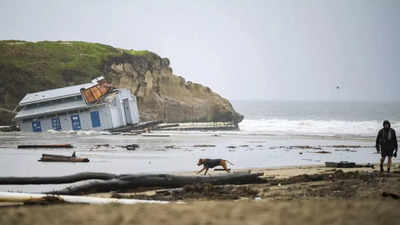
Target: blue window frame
{"points": [[55, 123], [95, 117], [76, 122], [36, 127]]}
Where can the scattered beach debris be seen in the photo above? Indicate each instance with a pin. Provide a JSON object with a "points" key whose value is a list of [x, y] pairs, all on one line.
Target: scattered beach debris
{"points": [[259, 146], [392, 195], [202, 126], [9, 128], [345, 150], [136, 127], [46, 146], [204, 146], [130, 147], [349, 146], [304, 147], [345, 146], [102, 145], [170, 146], [197, 191], [346, 164], [231, 146], [62, 158], [156, 135], [322, 152], [244, 146], [164, 126]]}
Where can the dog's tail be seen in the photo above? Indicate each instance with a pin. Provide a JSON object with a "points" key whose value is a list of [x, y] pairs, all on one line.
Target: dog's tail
{"points": [[230, 162]]}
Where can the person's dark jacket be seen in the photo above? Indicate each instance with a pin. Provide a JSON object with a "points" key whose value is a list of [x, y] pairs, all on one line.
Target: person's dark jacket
{"points": [[386, 139]]}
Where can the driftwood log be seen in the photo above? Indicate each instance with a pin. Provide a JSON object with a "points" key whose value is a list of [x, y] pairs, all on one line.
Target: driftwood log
{"points": [[57, 180], [152, 181], [104, 182], [41, 198]]}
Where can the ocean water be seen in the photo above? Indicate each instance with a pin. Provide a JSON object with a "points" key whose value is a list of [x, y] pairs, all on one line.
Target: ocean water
{"points": [[342, 119], [263, 141]]}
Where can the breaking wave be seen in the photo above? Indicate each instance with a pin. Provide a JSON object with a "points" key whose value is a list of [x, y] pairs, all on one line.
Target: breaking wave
{"points": [[314, 127]]}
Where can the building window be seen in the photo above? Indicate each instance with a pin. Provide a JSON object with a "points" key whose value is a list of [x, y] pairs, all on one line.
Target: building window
{"points": [[55, 123], [36, 127], [76, 122], [95, 117]]}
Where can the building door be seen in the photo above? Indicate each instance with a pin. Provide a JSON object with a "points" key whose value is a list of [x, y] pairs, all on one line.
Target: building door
{"points": [[76, 122], [95, 117], [36, 127], [127, 111], [55, 123]]}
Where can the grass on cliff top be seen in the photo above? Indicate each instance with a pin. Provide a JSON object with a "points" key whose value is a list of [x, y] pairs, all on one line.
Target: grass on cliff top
{"points": [[60, 62]]}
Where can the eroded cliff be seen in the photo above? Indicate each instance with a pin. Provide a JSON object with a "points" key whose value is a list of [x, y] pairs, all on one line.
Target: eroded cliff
{"points": [[165, 96]]}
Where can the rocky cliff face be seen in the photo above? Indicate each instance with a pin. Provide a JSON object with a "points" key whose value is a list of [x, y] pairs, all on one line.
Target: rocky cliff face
{"points": [[165, 96]]}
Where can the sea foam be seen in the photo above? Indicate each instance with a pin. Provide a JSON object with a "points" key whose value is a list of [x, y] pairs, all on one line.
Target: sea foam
{"points": [[314, 127]]}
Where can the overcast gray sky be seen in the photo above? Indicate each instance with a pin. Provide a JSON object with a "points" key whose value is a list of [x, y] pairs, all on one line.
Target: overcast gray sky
{"points": [[281, 50]]}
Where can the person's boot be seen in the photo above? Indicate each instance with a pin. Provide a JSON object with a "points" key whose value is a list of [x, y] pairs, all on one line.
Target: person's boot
{"points": [[381, 168], [388, 170]]}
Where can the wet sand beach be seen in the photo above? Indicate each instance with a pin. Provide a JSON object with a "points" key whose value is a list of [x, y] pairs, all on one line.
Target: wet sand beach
{"points": [[343, 196]]}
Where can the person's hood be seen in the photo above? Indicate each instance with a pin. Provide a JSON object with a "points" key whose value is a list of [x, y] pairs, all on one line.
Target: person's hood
{"points": [[386, 122]]}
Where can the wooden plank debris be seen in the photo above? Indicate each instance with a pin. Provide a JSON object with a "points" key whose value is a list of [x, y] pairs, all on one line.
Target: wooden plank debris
{"points": [[46, 146]]}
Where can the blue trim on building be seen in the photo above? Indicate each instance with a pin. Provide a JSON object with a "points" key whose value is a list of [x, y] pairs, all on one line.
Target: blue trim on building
{"points": [[95, 117]]}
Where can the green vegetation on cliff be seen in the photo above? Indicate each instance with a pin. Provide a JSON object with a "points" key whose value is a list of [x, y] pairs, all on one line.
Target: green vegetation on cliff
{"points": [[29, 67]]}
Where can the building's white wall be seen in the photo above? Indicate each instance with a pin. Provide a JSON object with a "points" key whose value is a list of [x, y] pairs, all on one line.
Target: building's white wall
{"points": [[66, 123], [125, 93], [115, 111], [111, 115]]}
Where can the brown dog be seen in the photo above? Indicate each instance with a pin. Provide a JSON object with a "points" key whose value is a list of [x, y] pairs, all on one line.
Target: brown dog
{"points": [[211, 163]]}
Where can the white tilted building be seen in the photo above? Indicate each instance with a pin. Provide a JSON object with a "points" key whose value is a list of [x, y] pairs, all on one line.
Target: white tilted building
{"points": [[68, 109]]}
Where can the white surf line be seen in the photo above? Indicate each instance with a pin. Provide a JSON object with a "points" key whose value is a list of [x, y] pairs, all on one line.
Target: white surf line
{"points": [[25, 197]]}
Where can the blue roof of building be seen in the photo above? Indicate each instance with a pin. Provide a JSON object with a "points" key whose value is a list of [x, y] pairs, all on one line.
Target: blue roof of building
{"points": [[53, 94]]}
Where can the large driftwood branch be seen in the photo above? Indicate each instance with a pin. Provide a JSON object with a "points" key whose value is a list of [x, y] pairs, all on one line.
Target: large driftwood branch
{"points": [[56, 180], [41, 198], [131, 182]]}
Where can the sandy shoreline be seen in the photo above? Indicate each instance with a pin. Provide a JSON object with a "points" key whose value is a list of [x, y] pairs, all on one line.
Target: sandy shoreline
{"points": [[287, 171], [338, 196]]}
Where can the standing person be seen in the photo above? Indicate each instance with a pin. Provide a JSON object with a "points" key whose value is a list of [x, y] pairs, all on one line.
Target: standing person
{"points": [[386, 144]]}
